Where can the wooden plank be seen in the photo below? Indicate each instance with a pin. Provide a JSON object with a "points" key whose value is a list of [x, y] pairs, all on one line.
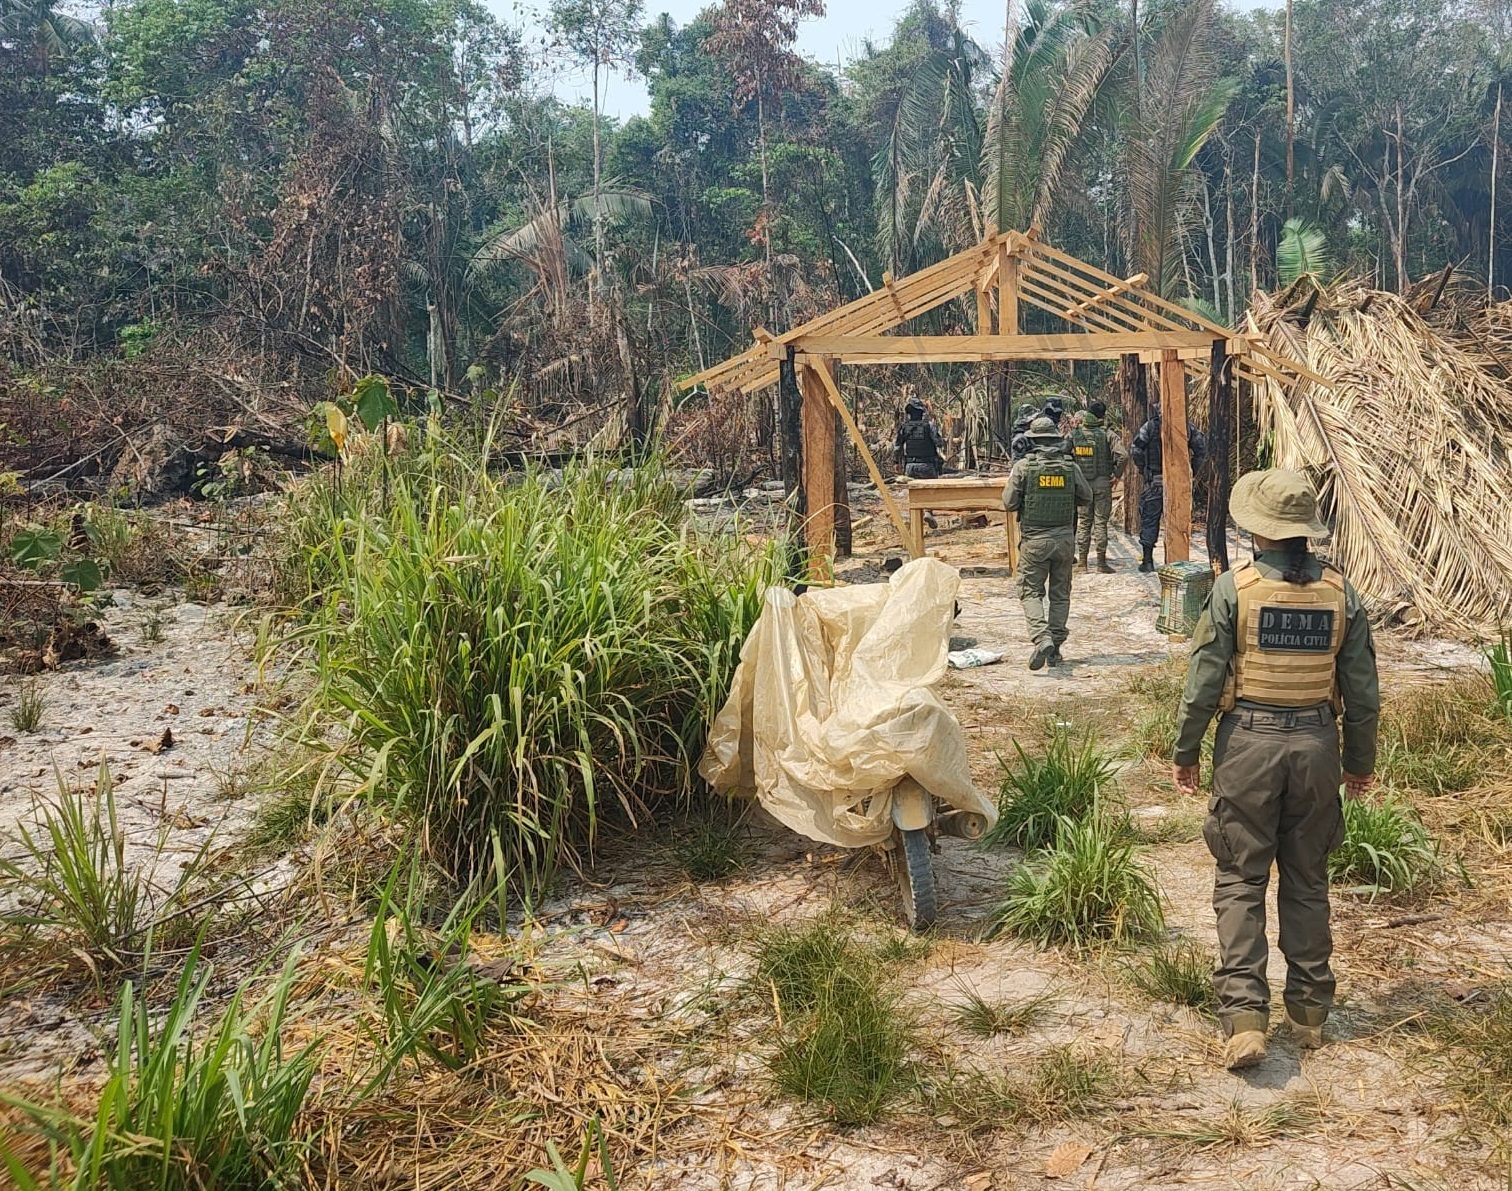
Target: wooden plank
{"points": [[1051, 299], [1123, 286], [844, 524], [1075, 345], [1133, 395], [1176, 463], [984, 312], [893, 512], [818, 471]]}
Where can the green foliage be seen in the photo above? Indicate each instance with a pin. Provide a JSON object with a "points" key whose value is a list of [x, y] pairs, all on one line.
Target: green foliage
{"points": [[373, 402], [31, 707], [71, 888], [517, 660], [31, 548], [1443, 738], [1475, 1042], [1089, 889], [562, 1177], [1179, 972], [1386, 848], [1499, 656], [843, 1039], [1038, 792], [709, 846], [1060, 1084], [1303, 251], [177, 1113]]}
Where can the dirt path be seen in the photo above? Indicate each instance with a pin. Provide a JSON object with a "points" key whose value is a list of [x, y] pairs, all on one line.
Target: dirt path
{"points": [[1362, 1113]]}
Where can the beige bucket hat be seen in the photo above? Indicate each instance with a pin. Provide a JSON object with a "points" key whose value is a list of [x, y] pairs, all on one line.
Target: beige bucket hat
{"points": [[1276, 504]]}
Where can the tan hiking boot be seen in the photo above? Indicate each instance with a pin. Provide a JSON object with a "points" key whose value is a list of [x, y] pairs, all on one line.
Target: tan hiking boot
{"points": [[1244, 1048], [1307, 1037], [1081, 563], [1102, 563]]}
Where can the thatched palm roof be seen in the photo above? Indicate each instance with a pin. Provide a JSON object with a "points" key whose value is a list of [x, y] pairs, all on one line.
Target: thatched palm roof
{"points": [[1411, 447]]}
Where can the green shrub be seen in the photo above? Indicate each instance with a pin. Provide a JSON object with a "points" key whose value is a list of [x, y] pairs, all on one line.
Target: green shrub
{"points": [[1090, 888], [1037, 792], [180, 1114], [1178, 973], [1386, 848], [518, 660], [843, 1040]]}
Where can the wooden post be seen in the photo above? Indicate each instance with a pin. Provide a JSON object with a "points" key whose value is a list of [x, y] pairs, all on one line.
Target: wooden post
{"points": [[843, 539], [1176, 462], [790, 455], [1007, 324], [1134, 395], [1220, 405], [818, 465]]}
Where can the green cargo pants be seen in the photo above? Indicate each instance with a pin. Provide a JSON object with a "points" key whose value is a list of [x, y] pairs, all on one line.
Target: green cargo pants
{"points": [[1092, 519], [1045, 562], [1275, 798]]}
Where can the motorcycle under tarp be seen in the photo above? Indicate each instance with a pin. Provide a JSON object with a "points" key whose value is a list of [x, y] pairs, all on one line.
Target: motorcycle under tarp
{"points": [[831, 708]]}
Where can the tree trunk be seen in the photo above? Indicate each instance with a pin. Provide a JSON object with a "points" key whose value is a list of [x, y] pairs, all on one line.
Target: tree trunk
{"points": [[790, 426], [1220, 405], [818, 471], [1495, 163], [766, 211], [1255, 219], [1291, 118], [598, 212], [843, 536]]}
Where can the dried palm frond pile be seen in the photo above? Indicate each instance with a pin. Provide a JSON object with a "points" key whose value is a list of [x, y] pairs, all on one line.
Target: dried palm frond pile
{"points": [[1411, 448]]}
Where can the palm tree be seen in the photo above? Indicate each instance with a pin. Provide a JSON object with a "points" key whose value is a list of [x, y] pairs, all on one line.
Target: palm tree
{"points": [[1181, 102], [34, 26]]}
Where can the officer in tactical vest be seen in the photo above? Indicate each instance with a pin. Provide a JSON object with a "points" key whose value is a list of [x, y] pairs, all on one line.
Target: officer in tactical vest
{"points": [[918, 444], [1148, 454], [1044, 489], [1101, 458], [1281, 652]]}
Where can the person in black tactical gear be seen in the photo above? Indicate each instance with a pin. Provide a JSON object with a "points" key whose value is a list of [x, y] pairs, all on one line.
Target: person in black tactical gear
{"points": [[1019, 445], [1146, 453], [918, 445], [1055, 409]]}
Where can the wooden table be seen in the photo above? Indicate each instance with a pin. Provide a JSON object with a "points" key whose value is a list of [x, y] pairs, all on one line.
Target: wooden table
{"points": [[966, 495]]}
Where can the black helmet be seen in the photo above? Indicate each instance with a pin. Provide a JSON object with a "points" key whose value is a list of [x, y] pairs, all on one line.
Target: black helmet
{"points": [[1055, 406], [914, 408]]}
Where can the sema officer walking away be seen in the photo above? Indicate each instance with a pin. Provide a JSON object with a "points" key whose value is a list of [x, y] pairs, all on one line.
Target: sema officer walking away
{"points": [[1283, 648], [1044, 489]]}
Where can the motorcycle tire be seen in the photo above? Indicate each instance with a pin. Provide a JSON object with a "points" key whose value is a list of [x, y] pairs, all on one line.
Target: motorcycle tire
{"points": [[916, 879]]}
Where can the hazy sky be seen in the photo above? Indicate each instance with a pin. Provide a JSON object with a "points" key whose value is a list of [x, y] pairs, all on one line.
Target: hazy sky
{"points": [[839, 33]]}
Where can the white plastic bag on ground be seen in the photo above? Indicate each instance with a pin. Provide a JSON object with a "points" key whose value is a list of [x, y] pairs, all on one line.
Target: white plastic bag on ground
{"points": [[831, 705]]}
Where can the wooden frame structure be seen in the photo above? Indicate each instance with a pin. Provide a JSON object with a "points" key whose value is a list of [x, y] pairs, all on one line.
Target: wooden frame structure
{"points": [[1107, 318]]}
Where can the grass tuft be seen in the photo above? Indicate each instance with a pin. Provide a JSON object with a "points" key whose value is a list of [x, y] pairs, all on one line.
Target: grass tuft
{"points": [[30, 709], [1063, 1083], [709, 847], [843, 1039], [1243, 1125], [987, 1019], [518, 660], [1089, 889], [1444, 738], [179, 1110], [1038, 792], [1476, 1042], [1386, 848], [1178, 973]]}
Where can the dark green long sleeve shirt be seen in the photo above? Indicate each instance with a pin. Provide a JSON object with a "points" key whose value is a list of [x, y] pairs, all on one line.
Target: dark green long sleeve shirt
{"points": [[1213, 651]]}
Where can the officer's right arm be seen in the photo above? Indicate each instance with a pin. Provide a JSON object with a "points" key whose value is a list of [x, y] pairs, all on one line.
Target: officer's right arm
{"points": [[1013, 491], [1212, 652]]}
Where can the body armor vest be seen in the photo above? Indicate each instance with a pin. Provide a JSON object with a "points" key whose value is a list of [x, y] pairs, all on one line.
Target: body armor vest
{"points": [[918, 443], [1089, 446], [1286, 639], [1049, 495]]}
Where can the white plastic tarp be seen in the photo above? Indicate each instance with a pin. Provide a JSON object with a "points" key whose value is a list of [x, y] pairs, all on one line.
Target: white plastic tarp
{"points": [[831, 706]]}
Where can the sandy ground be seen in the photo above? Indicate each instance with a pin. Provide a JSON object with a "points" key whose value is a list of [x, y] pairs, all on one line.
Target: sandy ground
{"points": [[659, 939]]}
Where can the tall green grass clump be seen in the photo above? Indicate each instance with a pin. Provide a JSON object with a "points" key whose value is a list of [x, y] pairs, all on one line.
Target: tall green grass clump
{"points": [[515, 661], [1089, 889], [1444, 738], [1038, 792], [1179, 973], [1499, 655], [180, 1113], [1386, 848], [843, 1042], [1475, 1042]]}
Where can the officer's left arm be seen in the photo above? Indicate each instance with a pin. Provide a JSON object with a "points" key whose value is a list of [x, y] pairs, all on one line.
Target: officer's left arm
{"points": [[1359, 688], [1207, 671]]}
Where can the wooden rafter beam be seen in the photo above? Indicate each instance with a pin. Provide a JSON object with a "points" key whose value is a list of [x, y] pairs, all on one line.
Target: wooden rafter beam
{"points": [[944, 349], [1112, 291]]}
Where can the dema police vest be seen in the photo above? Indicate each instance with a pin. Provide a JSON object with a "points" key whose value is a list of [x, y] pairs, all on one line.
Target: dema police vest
{"points": [[1286, 640], [1049, 494], [918, 443], [1089, 446]]}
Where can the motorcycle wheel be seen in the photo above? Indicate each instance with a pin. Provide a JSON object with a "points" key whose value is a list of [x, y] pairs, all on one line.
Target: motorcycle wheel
{"points": [[915, 878]]}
